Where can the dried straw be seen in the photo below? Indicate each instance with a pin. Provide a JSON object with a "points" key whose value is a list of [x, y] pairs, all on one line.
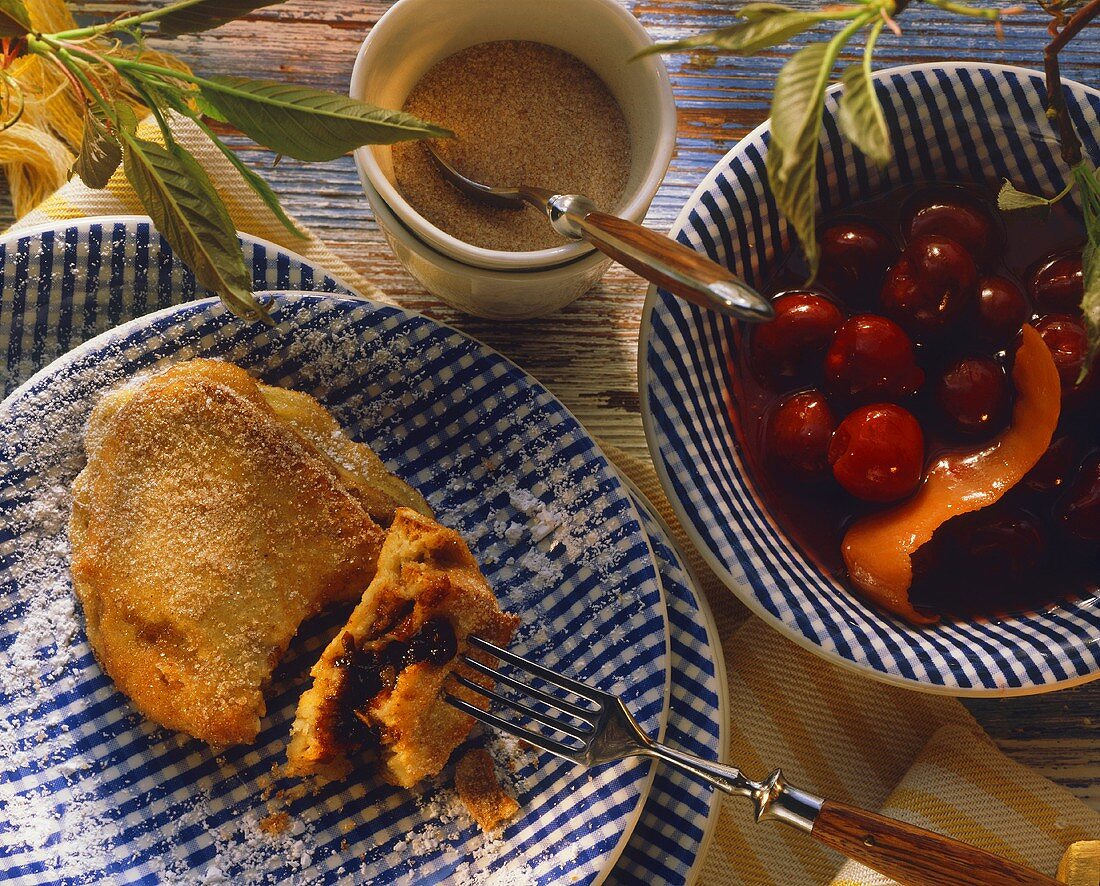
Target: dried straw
{"points": [[37, 152]]}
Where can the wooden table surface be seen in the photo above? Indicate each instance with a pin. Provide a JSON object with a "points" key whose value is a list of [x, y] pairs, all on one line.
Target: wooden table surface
{"points": [[586, 354]]}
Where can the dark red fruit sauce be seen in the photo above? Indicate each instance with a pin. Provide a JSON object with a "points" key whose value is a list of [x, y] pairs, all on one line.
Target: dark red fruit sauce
{"points": [[902, 350]]}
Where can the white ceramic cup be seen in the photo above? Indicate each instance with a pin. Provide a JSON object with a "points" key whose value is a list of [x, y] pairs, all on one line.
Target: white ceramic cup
{"points": [[415, 34], [495, 295]]}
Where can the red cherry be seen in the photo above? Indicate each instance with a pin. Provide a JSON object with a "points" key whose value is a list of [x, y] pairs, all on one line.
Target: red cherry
{"points": [[1058, 285], [1068, 343], [1079, 514], [854, 258], [877, 453], [1054, 469], [792, 344], [930, 286], [871, 357], [974, 394], [1002, 310], [799, 432], [957, 216]]}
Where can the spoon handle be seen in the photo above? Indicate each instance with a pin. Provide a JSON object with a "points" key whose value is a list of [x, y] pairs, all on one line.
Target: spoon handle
{"points": [[673, 266]]}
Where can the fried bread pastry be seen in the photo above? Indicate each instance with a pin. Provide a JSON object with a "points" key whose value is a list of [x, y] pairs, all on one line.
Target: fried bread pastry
{"points": [[359, 469], [378, 686], [480, 791], [205, 528]]}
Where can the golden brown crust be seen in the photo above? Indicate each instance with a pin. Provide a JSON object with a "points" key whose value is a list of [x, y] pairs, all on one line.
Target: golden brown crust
{"points": [[425, 572], [360, 470], [204, 530], [481, 793]]}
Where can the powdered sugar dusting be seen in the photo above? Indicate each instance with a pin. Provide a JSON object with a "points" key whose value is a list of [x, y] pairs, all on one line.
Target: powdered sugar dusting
{"points": [[87, 787]]}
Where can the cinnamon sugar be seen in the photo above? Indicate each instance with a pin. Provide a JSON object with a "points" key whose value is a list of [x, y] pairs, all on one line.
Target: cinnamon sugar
{"points": [[477, 786], [523, 113]]}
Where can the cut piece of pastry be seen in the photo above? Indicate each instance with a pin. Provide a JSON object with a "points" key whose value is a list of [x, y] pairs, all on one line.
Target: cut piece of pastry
{"points": [[204, 530], [480, 791], [378, 686]]}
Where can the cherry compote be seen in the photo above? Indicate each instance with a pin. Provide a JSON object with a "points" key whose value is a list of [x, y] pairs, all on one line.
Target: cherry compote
{"points": [[790, 348], [877, 452], [1001, 310], [975, 396], [903, 355], [933, 284], [954, 213], [1058, 284], [871, 358], [799, 433], [1068, 342], [855, 256]]}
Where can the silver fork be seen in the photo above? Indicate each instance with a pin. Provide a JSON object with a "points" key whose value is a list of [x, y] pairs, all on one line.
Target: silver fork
{"points": [[602, 730]]}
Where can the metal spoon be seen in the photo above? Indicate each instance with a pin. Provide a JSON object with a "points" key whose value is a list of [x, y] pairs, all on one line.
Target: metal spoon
{"points": [[657, 258]]}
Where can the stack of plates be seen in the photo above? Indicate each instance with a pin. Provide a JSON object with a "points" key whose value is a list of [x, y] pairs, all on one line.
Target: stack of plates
{"points": [[92, 790]]}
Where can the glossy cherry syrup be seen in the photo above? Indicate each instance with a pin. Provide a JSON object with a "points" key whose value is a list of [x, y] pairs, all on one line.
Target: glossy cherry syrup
{"points": [[901, 351]]}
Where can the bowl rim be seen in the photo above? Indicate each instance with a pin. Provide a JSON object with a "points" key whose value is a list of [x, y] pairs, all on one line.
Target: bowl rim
{"points": [[401, 231], [634, 209], [744, 594]]}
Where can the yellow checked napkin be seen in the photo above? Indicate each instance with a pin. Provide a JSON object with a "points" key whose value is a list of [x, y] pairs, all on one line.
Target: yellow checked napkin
{"points": [[917, 757]]}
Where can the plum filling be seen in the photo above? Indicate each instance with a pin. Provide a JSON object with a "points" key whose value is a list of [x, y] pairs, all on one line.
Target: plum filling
{"points": [[367, 671]]}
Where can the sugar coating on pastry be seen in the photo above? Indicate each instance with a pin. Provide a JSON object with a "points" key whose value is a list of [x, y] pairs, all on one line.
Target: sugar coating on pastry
{"points": [[378, 687], [205, 528], [359, 468], [480, 791]]}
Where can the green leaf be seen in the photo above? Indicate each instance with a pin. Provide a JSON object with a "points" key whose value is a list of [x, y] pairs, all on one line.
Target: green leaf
{"points": [[1090, 303], [1087, 178], [100, 153], [126, 118], [192, 16], [797, 106], [1010, 199], [797, 103], [169, 96], [796, 197], [860, 115], [15, 21], [309, 124], [205, 108], [178, 195], [758, 11], [766, 24]]}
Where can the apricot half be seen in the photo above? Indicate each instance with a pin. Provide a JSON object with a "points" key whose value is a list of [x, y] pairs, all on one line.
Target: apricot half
{"points": [[878, 549]]}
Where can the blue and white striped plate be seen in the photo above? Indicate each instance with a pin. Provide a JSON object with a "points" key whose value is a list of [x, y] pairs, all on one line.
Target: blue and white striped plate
{"points": [[94, 792], [671, 838], [950, 122]]}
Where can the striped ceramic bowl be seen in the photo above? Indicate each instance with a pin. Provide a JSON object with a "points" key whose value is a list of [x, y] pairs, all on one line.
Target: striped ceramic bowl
{"points": [[956, 122]]}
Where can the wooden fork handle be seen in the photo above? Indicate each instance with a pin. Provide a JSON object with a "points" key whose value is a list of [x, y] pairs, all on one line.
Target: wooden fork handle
{"points": [[913, 856]]}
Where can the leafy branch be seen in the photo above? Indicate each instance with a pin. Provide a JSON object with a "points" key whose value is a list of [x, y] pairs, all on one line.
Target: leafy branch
{"points": [[799, 97], [798, 100], [1084, 175], [108, 69]]}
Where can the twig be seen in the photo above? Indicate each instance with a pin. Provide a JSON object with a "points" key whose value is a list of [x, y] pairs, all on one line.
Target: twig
{"points": [[1056, 100]]}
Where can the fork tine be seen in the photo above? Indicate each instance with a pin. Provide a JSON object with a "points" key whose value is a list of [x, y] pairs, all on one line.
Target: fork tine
{"points": [[538, 740], [561, 726], [567, 683], [561, 704]]}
